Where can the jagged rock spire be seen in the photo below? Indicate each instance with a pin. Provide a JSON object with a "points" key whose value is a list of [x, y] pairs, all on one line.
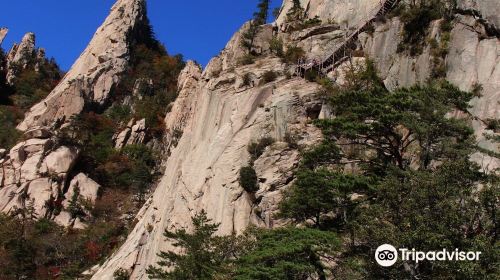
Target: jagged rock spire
{"points": [[96, 72], [21, 55], [3, 33]]}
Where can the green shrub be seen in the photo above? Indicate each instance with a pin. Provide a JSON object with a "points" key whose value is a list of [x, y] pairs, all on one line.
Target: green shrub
{"points": [[276, 46], [312, 75], [293, 54], [121, 274], [248, 179], [417, 19], [493, 124], [119, 113], [268, 77], [247, 59], [247, 80], [9, 117], [256, 149]]}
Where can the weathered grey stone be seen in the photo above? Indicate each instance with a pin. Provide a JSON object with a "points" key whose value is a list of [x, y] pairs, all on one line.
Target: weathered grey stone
{"points": [[350, 13], [40, 191], [217, 123], [489, 9], [38, 132], [60, 161], [137, 133]]}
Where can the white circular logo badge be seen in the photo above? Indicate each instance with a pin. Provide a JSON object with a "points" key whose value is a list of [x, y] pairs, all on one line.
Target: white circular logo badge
{"points": [[386, 255]]}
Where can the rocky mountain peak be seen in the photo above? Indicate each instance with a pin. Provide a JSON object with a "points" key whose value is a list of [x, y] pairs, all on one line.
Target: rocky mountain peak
{"points": [[44, 162], [3, 33], [94, 75], [21, 55]]}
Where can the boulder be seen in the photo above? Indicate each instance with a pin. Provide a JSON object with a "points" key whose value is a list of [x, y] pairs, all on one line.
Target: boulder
{"points": [[88, 188], [38, 132], [59, 161], [137, 133], [22, 151], [122, 137], [40, 191], [488, 9]]}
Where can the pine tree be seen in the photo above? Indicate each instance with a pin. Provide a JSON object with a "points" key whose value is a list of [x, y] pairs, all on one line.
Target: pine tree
{"points": [[259, 18], [200, 257], [286, 253], [296, 12]]}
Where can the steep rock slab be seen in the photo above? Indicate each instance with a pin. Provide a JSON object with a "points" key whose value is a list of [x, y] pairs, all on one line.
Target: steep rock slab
{"points": [[348, 13], [220, 119], [97, 70]]}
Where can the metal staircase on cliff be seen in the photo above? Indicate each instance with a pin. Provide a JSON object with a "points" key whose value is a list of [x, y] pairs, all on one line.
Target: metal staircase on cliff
{"points": [[343, 51]]}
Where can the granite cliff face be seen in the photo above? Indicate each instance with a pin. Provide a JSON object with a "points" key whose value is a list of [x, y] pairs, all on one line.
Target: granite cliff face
{"points": [[219, 116], [223, 108], [37, 172]]}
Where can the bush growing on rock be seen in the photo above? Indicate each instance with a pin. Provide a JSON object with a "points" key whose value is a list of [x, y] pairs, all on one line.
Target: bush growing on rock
{"points": [[417, 18], [268, 77], [247, 80], [293, 54], [247, 59], [276, 46], [256, 149], [412, 184], [259, 18], [248, 179], [121, 274]]}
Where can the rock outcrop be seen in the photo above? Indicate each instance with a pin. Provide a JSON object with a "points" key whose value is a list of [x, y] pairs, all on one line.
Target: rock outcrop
{"points": [[38, 172], [487, 9], [349, 14], [134, 133], [20, 56], [3, 34], [94, 75]]}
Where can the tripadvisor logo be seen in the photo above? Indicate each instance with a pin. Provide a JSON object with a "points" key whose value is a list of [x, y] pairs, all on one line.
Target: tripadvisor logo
{"points": [[386, 255]]}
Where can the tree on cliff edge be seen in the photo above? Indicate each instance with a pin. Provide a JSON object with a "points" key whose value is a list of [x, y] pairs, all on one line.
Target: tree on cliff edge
{"points": [[259, 18]]}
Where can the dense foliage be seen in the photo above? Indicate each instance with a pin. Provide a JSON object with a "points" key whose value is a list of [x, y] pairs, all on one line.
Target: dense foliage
{"points": [[286, 253], [417, 17], [413, 185]]}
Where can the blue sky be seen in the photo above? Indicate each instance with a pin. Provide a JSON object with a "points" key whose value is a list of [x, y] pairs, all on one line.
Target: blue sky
{"points": [[198, 29]]}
